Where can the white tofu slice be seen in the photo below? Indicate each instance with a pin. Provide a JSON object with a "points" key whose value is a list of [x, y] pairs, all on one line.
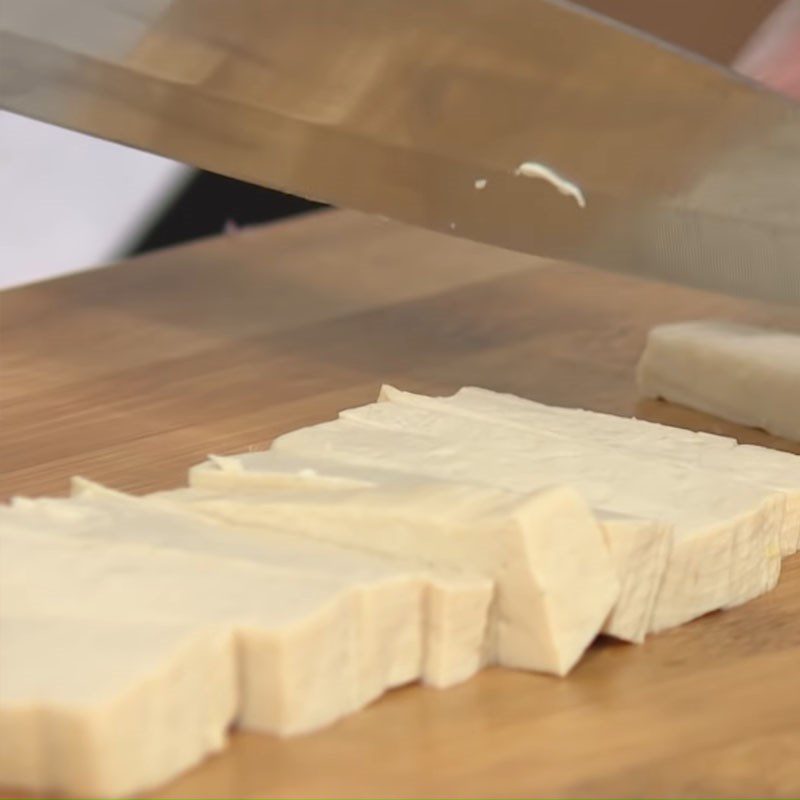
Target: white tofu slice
{"points": [[757, 465], [738, 372], [737, 525], [555, 421], [760, 466], [309, 646], [770, 468], [303, 657], [638, 548], [455, 605], [275, 470], [554, 576], [100, 708]]}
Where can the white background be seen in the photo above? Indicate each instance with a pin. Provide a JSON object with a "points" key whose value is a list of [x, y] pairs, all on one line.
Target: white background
{"points": [[69, 202]]}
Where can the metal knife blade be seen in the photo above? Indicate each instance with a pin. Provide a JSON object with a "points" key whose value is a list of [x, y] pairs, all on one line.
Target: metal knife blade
{"points": [[424, 110]]}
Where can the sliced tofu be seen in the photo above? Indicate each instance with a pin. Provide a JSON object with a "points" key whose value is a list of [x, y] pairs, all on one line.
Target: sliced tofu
{"points": [[554, 421], [299, 637], [727, 532], [756, 465], [638, 547], [99, 708], [771, 468], [738, 372], [274, 470], [554, 576], [313, 632], [455, 604]]}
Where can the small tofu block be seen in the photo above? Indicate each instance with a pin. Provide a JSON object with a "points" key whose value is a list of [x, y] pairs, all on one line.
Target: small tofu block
{"points": [[738, 372]]}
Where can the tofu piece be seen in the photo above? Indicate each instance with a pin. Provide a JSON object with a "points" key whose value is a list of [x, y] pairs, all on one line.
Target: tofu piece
{"points": [[274, 470], [638, 548], [741, 373], [773, 469], [556, 421], [304, 659], [305, 645], [99, 708], [737, 525], [555, 582], [455, 605], [760, 466], [756, 465]]}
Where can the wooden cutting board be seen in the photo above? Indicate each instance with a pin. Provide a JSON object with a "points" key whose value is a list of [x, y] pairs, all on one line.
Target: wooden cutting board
{"points": [[129, 375]]}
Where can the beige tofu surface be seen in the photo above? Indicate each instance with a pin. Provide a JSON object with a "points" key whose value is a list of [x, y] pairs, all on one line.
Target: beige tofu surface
{"points": [[756, 465], [101, 707], [309, 632], [709, 512], [545, 552]]}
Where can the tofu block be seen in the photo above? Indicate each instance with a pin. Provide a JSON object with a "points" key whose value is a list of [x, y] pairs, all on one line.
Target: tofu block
{"points": [[771, 468], [638, 548], [455, 604], [99, 708], [271, 632], [737, 525], [275, 470], [299, 637], [738, 372], [756, 465], [759, 466], [556, 421], [555, 583]]}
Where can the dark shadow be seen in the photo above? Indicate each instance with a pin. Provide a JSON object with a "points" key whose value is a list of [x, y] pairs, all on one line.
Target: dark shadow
{"points": [[210, 203]]}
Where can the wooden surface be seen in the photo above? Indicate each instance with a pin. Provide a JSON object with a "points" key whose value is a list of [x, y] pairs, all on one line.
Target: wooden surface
{"points": [[132, 374]]}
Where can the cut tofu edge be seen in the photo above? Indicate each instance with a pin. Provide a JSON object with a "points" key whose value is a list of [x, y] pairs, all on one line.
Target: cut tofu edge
{"points": [[745, 556], [566, 548], [639, 550], [161, 698]]}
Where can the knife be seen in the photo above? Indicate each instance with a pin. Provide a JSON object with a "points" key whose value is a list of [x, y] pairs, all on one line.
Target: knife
{"points": [[528, 124]]}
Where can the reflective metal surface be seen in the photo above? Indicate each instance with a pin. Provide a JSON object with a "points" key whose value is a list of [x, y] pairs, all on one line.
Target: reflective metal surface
{"points": [[398, 107]]}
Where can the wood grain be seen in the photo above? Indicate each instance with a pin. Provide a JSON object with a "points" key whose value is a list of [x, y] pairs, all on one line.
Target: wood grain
{"points": [[130, 375]]}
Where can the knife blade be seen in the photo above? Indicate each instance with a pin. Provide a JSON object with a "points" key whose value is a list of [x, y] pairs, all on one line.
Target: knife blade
{"points": [[528, 124]]}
